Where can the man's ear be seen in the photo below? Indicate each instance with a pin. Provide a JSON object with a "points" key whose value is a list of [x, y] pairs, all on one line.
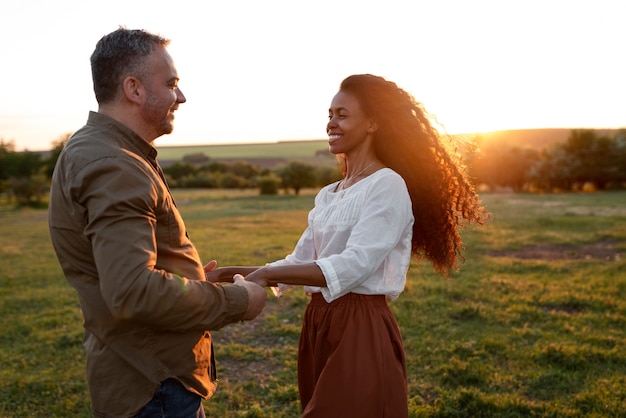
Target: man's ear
{"points": [[373, 126], [133, 90]]}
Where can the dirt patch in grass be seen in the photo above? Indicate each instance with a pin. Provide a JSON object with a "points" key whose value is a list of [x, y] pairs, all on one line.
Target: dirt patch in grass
{"points": [[230, 370], [249, 333], [603, 250]]}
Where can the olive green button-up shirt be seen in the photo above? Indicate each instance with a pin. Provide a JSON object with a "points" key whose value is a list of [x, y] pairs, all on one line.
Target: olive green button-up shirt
{"points": [[123, 246]]}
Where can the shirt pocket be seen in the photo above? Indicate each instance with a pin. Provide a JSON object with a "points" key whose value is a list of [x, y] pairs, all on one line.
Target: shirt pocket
{"points": [[170, 224]]}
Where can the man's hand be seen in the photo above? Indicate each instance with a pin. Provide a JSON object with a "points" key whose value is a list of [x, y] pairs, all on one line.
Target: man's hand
{"points": [[209, 268], [224, 274], [256, 297], [258, 276]]}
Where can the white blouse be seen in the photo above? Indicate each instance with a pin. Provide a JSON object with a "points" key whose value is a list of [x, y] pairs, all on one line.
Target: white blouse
{"points": [[360, 237]]}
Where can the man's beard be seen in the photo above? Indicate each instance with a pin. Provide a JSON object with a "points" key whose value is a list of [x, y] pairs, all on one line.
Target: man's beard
{"points": [[160, 120]]}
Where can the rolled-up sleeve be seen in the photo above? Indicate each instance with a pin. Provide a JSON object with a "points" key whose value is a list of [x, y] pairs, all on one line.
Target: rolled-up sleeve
{"points": [[361, 240]]}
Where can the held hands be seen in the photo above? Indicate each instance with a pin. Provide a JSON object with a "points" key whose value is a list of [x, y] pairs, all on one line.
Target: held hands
{"points": [[256, 297], [259, 277], [224, 274], [256, 293]]}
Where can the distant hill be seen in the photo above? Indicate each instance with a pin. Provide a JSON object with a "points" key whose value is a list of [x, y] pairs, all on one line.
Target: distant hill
{"points": [[279, 149], [523, 138], [269, 155], [264, 155], [315, 151]]}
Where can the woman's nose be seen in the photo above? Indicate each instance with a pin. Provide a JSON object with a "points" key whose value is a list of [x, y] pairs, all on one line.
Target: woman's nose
{"points": [[331, 123]]}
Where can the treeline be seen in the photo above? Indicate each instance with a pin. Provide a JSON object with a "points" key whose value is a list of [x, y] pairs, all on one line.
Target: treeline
{"points": [[25, 176], [584, 161], [294, 175]]}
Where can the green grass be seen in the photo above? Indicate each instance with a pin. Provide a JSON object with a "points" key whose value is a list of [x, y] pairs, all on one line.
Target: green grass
{"points": [[508, 336]]}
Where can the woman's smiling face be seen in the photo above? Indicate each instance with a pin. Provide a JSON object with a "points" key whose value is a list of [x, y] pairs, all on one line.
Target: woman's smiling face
{"points": [[348, 127]]}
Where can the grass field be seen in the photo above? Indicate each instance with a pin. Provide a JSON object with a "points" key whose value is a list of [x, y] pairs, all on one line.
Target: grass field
{"points": [[280, 149], [534, 324]]}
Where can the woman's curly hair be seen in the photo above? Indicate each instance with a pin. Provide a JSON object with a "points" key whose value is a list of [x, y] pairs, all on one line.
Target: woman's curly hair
{"points": [[443, 198]]}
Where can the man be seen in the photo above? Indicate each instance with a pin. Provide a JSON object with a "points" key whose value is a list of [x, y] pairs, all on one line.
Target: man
{"points": [[123, 246]]}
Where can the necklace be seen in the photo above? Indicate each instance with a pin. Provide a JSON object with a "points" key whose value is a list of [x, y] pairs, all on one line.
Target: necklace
{"points": [[342, 185]]}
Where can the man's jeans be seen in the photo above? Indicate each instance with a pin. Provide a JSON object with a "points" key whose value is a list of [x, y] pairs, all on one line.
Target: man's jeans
{"points": [[172, 400]]}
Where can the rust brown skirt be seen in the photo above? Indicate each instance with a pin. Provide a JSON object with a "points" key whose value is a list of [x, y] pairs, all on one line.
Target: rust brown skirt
{"points": [[351, 360]]}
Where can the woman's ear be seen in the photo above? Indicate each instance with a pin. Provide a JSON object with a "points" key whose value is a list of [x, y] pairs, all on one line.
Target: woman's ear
{"points": [[373, 126]]}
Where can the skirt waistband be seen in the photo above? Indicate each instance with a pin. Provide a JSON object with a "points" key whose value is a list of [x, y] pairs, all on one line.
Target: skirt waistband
{"points": [[318, 299]]}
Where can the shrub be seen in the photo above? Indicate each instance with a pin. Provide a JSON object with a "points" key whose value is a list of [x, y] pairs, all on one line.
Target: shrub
{"points": [[202, 180], [232, 181], [269, 185], [29, 190]]}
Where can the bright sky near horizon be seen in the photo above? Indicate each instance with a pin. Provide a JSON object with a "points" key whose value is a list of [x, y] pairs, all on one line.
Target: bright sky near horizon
{"points": [[262, 71]]}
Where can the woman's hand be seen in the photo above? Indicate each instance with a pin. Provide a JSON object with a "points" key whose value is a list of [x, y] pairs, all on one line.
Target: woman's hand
{"points": [[259, 277]]}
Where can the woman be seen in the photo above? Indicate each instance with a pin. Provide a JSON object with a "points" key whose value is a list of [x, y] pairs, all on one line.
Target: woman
{"points": [[402, 194]]}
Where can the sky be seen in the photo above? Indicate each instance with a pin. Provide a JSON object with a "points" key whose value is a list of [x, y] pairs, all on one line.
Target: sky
{"points": [[265, 71]]}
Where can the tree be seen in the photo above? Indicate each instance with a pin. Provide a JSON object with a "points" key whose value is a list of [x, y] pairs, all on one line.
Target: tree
{"points": [[244, 169], [196, 159], [502, 166], [17, 164], [594, 159], [20, 174], [268, 185], [29, 190], [296, 175], [215, 167], [552, 170], [620, 158], [7, 148], [579, 147], [514, 166], [200, 180], [233, 181], [57, 147], [326, 174], [180, 170]]}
